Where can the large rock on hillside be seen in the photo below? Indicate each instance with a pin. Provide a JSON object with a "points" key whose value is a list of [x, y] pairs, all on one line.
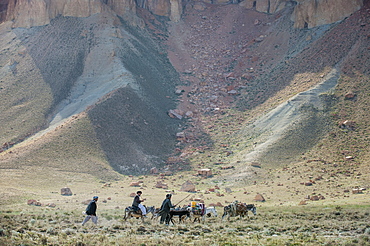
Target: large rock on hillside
{"points": [[188, 186], [66, 191]]}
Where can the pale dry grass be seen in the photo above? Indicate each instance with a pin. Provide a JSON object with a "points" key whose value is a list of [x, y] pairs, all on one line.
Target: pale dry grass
{"points": [[319, 225]]}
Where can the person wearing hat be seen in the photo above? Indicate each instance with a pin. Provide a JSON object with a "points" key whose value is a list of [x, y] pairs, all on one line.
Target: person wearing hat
{"points": [[137, 203], [91, 211], [165, 210]]}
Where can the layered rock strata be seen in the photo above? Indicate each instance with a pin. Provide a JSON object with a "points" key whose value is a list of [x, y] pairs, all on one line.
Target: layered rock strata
{"points": [[307, 13]]}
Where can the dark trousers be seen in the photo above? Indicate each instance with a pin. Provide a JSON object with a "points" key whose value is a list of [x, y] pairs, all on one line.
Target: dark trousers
{"points": [[165, 217]]}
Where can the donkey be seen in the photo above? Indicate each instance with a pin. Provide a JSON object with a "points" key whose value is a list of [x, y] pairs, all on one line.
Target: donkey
{"points": [[130, 212], [210, 211], [241, 209], [183, 214]]}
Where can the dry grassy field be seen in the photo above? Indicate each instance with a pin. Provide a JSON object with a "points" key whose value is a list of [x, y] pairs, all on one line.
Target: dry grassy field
{"points": [[319, 225], [279, 220]]}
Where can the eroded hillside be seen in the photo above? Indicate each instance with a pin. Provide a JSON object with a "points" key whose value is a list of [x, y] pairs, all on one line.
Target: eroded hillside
{"points": [[54, 73], [269, 69], [92, 95]]}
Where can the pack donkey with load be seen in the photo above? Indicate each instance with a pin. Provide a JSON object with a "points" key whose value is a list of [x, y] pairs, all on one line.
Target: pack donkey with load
{"points": [[237, 208]]}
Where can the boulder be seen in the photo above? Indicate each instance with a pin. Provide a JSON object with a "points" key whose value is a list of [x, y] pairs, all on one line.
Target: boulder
{"points": [[350, 95], [347, 124], [358, 190], [33, 202], [154, 170], [174, 113], [205, 172], [161, 185], [259, 198], [168, 173], [189, 114], [66, 191], [256, 164], [179, 92], [134, 184], [317, 197], [228, 190], [188, 186], [314, 198]]}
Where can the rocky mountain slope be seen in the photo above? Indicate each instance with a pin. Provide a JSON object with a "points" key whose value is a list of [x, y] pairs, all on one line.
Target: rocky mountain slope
{"points": [[104, 90], [90, 64]]}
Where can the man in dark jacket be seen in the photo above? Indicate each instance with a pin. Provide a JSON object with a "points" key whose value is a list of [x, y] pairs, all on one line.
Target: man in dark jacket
{"points": [[165, 209], [136, 204], [91, 211]]}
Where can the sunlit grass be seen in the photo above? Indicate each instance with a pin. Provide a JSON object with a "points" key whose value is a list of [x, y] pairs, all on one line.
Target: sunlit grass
{"points": [[315, 225]]}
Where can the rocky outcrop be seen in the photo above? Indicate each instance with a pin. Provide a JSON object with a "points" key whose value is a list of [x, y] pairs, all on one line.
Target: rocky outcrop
{"points": [[188, 186], [310, 13], [27, 13], [66, 191], [307, 13], [176, 10], [168, 8]]}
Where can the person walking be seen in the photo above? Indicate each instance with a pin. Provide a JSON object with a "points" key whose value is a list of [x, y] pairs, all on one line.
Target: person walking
{"points": [[91, 211], [165, 210], [137, 203]]}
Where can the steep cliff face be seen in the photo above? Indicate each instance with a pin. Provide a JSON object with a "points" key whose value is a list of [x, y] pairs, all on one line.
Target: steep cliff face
{"points": [[307, 14], [28, 13], [3, 8]]}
